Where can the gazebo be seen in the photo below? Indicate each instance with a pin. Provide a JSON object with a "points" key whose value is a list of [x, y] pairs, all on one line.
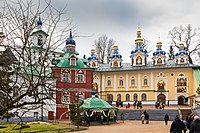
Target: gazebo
{"points": [[97, 109]]}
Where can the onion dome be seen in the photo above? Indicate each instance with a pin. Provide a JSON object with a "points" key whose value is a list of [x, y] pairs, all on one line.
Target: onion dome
{"points": [[93, 55], [115, 47], [159, 48], [39, 22], [70, 39], [139, 38], [181, 49]]}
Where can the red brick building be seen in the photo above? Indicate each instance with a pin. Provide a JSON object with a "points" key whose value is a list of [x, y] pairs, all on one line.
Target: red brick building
{"points": [[74, 78]]}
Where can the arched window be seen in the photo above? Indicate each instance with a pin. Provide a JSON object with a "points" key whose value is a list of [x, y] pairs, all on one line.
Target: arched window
{"points": [[118, 97], [135, 97], [120, 82], [127, 97], [145, 82], [132, 82], [109, 97], [144, 97], [108, 82]]}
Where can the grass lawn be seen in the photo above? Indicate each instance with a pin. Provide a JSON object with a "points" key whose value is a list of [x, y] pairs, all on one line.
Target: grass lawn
{"points": [[35, 127]]}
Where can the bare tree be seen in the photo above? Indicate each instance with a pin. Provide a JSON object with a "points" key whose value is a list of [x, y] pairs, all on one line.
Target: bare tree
{"points": [[104, 48], [189, 36], [31, 82]]}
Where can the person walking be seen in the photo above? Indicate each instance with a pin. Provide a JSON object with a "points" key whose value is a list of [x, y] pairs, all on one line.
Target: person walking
{"points": [[147, 118], [166, 118], [177, 126], [195, 125], [142, 118]]}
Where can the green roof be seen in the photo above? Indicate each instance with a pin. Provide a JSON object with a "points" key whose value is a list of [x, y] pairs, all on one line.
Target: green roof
{"points": [[95, 103], [65, 61]]}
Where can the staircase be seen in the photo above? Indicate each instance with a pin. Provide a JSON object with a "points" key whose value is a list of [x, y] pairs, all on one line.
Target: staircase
{"points": [[185, 112], [153, 114]]}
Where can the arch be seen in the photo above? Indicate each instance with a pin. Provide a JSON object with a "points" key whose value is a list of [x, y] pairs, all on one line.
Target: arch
{"points": [[109, 97], [108, 82], [135, 97], [121, 83], [181, 100], [127, 97], [161, 85], [161, 98], [118, 97], [93, 64], [132, 81], [95, 86], [115, 64], [138, 60], [144, 97], [159, 61]]}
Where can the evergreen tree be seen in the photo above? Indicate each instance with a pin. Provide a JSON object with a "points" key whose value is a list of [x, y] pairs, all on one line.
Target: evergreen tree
{"points": [[171, 53]]}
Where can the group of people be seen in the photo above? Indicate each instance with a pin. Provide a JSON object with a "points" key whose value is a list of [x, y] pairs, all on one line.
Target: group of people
{"points": [[137, 104], [145, 117], [192, 123], [159, 105]]}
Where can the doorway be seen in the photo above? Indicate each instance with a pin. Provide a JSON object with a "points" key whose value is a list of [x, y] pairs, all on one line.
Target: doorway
{"points": [[161, 98], [181, 100]]}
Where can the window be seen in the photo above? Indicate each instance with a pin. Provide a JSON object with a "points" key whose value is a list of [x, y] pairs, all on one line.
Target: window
{"points": [[72, 62], [35, 115], [132, 82], [144, 97], [66, 98], [118, 97], [145, 82], [80, 97], [120, 82], [65, 77], [115, 64], [181, 83], [80, 78], [127, 97], [135, 97], [108, 82]]}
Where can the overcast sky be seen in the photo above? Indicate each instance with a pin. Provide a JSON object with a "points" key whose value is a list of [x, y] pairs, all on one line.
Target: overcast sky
{"points": [[119, 19]]}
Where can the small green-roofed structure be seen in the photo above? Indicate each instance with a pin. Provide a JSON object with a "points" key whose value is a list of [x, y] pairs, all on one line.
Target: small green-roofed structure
{"points": [[98, 110]]}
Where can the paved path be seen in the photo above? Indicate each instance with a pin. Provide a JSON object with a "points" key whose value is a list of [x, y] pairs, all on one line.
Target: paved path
{"points": [[130, 127]]}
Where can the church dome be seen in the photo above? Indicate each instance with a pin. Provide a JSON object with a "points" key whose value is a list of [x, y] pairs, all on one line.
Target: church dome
{"points": [[70, 39]]}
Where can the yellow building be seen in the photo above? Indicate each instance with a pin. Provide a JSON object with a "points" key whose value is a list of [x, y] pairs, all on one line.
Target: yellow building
{"points": [[174, 81]]}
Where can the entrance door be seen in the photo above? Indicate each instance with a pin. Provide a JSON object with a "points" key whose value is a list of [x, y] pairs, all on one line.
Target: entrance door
{"points": [[180, 100], [161, 98]]}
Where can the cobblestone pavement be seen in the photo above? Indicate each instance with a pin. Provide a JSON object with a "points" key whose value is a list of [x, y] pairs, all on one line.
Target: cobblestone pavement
{"points": [[130, 127]]}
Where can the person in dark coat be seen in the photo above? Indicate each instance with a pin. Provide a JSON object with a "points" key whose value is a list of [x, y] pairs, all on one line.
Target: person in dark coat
{"points": [[166, 118], [195, 125], [177, 126], [146, 117]]}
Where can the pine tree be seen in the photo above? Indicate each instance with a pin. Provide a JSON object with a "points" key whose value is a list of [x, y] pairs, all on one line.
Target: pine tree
{"points": [[171, 53]]}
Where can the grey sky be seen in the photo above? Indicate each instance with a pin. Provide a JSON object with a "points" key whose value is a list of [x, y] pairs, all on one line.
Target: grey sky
{"points": [[118, 19]]}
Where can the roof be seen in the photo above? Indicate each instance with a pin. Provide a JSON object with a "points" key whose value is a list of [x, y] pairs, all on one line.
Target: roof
{"points": [[129, 67], [95, 103], [7, 57], [40, 31], [65, 61]]}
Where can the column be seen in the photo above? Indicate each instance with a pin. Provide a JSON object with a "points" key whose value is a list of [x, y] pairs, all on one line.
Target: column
{"points": [[126, 81], [152, 81], [139, 81], [115, 83], [103, 87]]}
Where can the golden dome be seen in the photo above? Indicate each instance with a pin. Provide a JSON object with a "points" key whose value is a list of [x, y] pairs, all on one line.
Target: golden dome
{"points": [[115, 46], [93, 50], [159, 42], [139, 38]]}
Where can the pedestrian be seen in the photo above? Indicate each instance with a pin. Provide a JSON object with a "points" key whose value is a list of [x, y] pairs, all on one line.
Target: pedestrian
{"points": [[142, 118], [163, 105], [134, 105], [156, 105], [177, 126], [168, 103], [146, 117], [195, 125], [166, 118]]}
